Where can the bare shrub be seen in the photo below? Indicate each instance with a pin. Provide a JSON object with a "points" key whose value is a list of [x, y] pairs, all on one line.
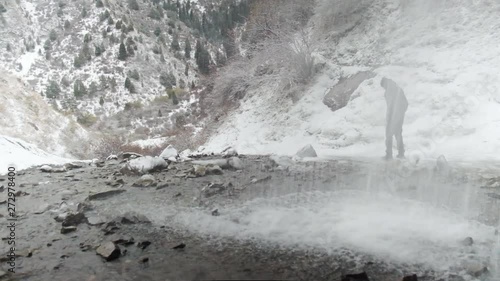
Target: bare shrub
{"points": [[339, 15], [105, 146], [147, 150]]}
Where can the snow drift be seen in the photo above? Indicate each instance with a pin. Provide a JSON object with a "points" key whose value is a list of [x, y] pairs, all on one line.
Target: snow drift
{"points": [[443, 54]]}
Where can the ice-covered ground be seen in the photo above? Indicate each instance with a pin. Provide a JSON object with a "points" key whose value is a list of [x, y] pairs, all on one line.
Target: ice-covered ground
{"points": [[444, 55], [21, 155]]}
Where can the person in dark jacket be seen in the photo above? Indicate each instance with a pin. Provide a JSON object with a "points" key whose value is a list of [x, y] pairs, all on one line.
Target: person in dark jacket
{"points": [[397, 104]]}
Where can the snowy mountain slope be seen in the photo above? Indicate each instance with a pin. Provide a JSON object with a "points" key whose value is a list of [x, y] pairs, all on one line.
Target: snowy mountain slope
{"points": [[21, 155], [444, 55], [25, 115]]}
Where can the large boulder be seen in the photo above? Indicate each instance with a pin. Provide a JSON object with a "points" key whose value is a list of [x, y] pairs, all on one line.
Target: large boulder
{"points": [[340, 94], [306, 151], [169, 153], [144, 165]]}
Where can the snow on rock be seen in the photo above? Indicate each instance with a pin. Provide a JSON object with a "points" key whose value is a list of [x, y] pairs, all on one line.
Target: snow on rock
{"points": [[145, 164], [22, 155], [169, 152], [306, 151], [444, 56]]}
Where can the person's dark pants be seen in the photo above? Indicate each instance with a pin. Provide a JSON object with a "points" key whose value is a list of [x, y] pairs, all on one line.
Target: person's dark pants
{"points": [[395, 130]]}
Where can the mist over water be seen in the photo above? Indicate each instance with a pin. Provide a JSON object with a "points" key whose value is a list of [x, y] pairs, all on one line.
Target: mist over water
{"points": [[418, 219]]}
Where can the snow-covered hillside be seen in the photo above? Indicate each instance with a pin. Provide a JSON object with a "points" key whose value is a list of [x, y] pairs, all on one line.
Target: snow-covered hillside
{"points": [[443, 54], [21, 155], [25, 115]]}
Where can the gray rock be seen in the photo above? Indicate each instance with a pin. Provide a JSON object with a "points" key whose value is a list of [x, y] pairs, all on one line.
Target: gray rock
{"points": [[105, 194], [74, 165], [46, 169], [235, 163], [74, 219], [132, 218], [214, 170], [199, 170], [95, 220], [340, 95], [229, 152], [2, 273], [128, 155], [306, 151], [109, 251], [68, 229], [144, 165], [145, 181], [468, 241], [475, 268], [169, 152]]}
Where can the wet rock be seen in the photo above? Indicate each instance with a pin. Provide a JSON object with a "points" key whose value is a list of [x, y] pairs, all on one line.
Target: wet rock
{"points": [[143, 244], [254, 181], [223, 163], [356, 277], [235, 163], [410, 278], [144, 165], [74, 219], [213, 189], [306, 151], [199, 170], [215, 213], [109, 251], [110, 228], [213, 170], [340, 94], [50, 169], [128, 155], [145, 181], [475, 268], [115, 183], [169, 152], [125, 242], [74, 165], [185, 155], [494, 195], [68, 229], [468, 241], [179, 246], [132, 218], [105, 194], [95, 220], [162, 186]]}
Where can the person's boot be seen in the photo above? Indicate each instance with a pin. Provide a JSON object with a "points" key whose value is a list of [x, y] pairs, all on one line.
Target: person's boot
{"points": [[387, 157], [401, 156]]}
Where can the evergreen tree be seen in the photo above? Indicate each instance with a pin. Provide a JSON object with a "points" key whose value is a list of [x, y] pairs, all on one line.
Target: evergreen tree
{"points": [[79, 89], [122, 53], [52, 90], [86, 53], [110, 21], [53, 35], [87, 38], [175, 43], [78, 61], [84, 13], [186, 70], [112, 84], [67, 24], [101, 101], [159, 113], [127, 83], [98, 50], [157, 31], [130, 50], [187, 49], [2, 8], [220, 58], [132, 4], [118, 24], [99, 4], [103, 82], [93, 88]]}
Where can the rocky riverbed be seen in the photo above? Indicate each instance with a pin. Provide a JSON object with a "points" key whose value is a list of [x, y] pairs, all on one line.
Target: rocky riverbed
{"points": [[132, 219]]}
